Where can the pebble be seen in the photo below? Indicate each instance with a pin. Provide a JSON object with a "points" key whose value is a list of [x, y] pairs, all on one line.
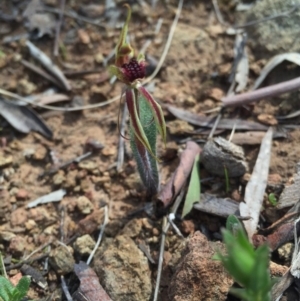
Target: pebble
{"points": [[22, 194], [17, 245], [61, 259], [88, 165], [5, 160], [18, 217], [59, 178], [84, 245], [84, 205]]}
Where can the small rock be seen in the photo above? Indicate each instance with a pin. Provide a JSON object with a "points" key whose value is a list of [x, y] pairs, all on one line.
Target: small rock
{"points": [[18, 217], [277, 270], [17, 245], [61, 259], [274, 179], [88, 165], [179, 127], [84, 245], [99, 58], [71, 179], [188, 226], [30, 224], [109, 151], [91, 222], [267, 119], [83, 36], [4, 161], [132, 228], [208, 104], [13, 191], [216, 93], [124, 270], [59, 178], [198, 276], [22, 194], [40, 153], [285, 252], [6, 235], [84, 205], [26, 87]]}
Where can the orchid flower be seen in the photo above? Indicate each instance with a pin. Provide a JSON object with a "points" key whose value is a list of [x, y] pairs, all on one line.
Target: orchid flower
{"points": [[131, 70]]}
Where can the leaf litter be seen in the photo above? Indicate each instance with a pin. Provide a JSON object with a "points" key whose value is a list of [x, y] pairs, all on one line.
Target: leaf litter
{"points": [[98, 181]]}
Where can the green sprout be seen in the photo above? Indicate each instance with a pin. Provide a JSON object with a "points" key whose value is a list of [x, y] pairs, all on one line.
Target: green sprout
{"points": [[248, 267], [8, 292], [142, 108], [272, 199]]}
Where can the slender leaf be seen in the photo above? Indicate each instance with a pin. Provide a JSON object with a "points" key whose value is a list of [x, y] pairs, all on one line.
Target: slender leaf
{"points": [[194, 190]]}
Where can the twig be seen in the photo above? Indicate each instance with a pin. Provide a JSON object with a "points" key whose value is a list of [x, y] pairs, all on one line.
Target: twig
{"points": [[120, 160], [100, 235], [58, 27], [65, 288], [271, 91], [73, 15], [165, 227], [218, 12], [215, 124], [38, 249], [168, 44], [2, 266], [62, 221], [29, 261]]}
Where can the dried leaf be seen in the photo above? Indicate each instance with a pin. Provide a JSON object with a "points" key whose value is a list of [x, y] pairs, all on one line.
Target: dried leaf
{"points": [[175, 184], [290, 194], [90, 288], [217, 206], [194, 190], [253, 138], [292, 57], [23, 119], [209, 122], [54, 196], [256, 187]]}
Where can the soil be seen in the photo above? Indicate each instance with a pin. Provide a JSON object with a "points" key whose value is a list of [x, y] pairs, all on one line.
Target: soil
{"points": [[194, 77]]}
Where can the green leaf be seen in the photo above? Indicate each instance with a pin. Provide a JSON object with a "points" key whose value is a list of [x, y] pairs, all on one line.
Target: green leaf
{"points": [[23, 286], [272, 199], [6, 289], [194, 190]]}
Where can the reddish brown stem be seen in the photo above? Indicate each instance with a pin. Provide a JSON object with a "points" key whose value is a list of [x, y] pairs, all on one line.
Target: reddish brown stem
{"points": [[267, 92]]}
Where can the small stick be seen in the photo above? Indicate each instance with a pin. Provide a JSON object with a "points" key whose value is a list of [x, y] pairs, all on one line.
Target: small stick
{"points": [[218, 12], [267, 92], [65, 288], [100, 235], [165, 226], [58, 27], [29, 261], [120, 160], [73, 15], [38, 249]]}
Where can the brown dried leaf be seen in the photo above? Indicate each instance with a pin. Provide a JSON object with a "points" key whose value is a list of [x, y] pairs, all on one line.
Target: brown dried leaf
{"points": [[209, 122], [174, 185], [90, 288]]}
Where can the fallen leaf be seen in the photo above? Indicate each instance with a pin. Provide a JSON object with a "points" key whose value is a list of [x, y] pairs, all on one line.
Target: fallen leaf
{"points": [[23, 119], [175, 184], [194, 190], [292, 57], [90, 288], [209, 122], [256, 186], [54, 196], [217, 206]]}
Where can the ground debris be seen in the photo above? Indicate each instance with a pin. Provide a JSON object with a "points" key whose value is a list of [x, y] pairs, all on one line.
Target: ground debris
{"points": [[198, 276]]}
